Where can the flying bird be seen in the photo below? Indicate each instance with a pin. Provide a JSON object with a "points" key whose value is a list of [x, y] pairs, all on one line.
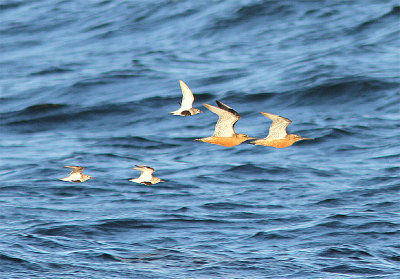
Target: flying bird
{"points": [[224, 133], [146, 177], [76, 175], [186, 108], [277, 136]]}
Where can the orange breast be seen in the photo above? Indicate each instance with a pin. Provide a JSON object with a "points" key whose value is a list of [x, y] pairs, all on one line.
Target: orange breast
{"points": [[281, 143], [224, 141]]}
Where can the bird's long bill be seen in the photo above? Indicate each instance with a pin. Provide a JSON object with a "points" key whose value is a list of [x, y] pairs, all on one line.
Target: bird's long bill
{"points": [[252, 142], [162, 180], [250, 138], [306, 138]]}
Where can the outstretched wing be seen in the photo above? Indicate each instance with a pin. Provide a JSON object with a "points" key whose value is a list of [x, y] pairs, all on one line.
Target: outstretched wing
{"points": [[146, 174], [277, 130], [227, 119], [187, 96], [75, 169]]}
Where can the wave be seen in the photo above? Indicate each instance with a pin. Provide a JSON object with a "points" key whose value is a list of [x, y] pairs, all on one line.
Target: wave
{"points": [[224, 75], [272, 236], [4, 5], [246, 14], [50, 71], [112, 77], [340, 252], [352, 269], [341, 91], [4, 257], [225, 206], [331, 202], [246, 168], [378, 22], [119, 224], [135, 142], [40, 115]]}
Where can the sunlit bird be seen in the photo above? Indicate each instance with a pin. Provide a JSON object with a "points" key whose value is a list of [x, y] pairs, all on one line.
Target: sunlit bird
{"points": [[146, 177], [224, 133], [277, 136], [76, 175], [186, 108]]}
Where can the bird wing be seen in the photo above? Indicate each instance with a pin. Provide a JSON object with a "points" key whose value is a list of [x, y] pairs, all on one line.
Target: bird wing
{"points": [[146, 174], [75, 169], [187, 98], [226, 121], [277, 130]]}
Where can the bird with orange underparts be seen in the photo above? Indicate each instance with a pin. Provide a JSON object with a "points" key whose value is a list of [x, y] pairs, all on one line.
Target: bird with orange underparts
{"points": [[76, 175], [224, 133], [277, 136], [146, 177], [186, 108]]}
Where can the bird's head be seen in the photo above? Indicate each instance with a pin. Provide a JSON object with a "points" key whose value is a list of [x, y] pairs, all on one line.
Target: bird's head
{"points": [[196, 111], [86, 177]]}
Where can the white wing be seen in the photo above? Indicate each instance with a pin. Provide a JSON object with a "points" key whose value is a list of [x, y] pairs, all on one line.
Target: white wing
{"points": [[277, 130], [226, 121], [147, 173], [187, 98]]}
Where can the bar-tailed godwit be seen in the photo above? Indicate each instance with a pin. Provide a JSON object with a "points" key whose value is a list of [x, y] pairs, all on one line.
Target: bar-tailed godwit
{"points": [[224, 133], [277, 136]]}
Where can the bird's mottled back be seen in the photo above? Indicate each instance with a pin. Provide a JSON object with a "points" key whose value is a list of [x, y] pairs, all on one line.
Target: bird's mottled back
{"points": [[75, 169], [277, 130], [146, 177], [76, 174], [227, 119]]}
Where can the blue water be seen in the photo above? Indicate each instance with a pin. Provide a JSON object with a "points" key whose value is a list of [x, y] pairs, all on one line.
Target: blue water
{"points": [[92, 83]]}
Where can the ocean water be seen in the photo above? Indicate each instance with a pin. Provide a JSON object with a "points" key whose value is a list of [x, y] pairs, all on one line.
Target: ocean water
{"points": [[91, 83]]}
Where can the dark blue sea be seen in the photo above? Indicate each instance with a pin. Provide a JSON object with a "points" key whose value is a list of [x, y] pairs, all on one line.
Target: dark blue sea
{"points": [[91, 83]]}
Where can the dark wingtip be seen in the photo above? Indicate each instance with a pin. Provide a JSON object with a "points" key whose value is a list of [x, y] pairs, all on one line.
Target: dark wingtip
{"points": [[227, 108], [221, 105]]}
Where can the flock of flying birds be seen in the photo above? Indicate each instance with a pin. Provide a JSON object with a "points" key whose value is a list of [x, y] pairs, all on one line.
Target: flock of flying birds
{"points": [[224, 135]]}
